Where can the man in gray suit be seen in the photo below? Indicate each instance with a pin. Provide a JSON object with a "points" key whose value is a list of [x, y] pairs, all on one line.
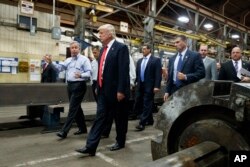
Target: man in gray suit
{"points": [[209, 63]]}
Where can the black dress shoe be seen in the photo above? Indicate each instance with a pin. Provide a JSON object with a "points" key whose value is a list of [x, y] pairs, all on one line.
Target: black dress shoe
{"points": [[61, 134], [140, 127], [85, 150], [115, 147], [80, 132]]}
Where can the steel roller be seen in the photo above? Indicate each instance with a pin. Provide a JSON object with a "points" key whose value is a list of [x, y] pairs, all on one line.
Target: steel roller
{"points": [[210, 111]]}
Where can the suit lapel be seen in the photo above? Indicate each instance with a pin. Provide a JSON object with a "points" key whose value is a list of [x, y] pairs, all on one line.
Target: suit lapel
{"points": [[112, 48], [232, 66], [244, 65]]}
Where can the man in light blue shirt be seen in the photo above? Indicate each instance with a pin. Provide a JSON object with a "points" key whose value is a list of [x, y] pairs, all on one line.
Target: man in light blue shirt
{"points": [[78, 71]]}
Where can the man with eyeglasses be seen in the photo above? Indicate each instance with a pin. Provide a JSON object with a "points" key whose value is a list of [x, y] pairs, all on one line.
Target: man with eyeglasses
{"points": [[209, 63]]}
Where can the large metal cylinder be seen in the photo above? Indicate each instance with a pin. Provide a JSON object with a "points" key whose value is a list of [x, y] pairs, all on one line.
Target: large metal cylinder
{"points": [[214, 111]]}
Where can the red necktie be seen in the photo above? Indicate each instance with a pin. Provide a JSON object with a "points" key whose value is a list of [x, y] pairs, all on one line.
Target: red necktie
{"points": [[101, 66]]}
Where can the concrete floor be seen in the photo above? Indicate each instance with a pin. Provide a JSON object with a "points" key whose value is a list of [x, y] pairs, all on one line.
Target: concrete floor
{"points": [[28, 147]]}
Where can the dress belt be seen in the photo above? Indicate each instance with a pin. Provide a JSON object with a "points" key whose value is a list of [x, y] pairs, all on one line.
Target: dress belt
{"points": [[74, 81]]}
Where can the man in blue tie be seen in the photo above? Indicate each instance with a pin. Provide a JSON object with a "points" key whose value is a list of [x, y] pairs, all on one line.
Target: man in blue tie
{"points": [[148, 79], [184, 68]]}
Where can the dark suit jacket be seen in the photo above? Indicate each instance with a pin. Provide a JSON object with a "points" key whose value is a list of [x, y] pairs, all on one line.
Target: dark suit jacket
{"points": [[152, 74], [116, 72], [193, 68], [49, 74], [228, 72]]}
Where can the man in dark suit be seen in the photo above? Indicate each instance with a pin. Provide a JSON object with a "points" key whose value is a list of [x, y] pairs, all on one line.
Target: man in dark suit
{"points": [[112, 89], [184, 68], [49, 74], [148, 79], [229, 69]]}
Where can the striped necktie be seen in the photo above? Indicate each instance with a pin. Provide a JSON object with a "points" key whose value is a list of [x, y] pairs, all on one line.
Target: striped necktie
{"points": [[236, 66]]}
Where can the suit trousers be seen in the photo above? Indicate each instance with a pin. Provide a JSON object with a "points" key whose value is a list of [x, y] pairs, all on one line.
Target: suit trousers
{"points": [[105, 108], [76, 91], [145, 100], [108, 124]]}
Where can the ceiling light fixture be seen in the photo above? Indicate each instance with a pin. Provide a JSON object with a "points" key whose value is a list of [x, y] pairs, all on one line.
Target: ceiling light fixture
{"points": [[208, 26], [183, 19], [235, 36]]}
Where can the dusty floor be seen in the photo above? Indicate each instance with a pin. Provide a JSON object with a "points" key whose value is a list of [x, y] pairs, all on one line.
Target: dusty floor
{"points": [[29, 147]]}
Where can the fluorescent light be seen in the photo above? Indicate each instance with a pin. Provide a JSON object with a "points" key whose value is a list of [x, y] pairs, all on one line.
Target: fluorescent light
{"points": [[235, 36], [169, 53], [208, 26], [183, 19]]}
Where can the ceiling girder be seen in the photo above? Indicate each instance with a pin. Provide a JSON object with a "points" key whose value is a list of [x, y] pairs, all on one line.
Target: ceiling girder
{"points": [[89, 4], [211, 14], [192, 36], [117, 10]]}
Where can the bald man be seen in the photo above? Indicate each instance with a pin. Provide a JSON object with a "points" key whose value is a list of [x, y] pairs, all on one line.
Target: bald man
{"points": [[231, 68]]}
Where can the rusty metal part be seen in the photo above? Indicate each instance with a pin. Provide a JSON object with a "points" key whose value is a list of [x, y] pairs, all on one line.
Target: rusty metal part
{"points": [[215, 111], [209, 153]]}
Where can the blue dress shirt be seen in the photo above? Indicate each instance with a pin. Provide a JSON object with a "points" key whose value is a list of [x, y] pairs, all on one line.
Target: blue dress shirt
{"points": [[72, 65]]}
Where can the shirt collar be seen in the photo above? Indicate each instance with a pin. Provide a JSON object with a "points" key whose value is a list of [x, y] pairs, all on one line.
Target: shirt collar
{"points": [[111, 43], [148, 56], [184, 52], [239, 61], [75, 57]]}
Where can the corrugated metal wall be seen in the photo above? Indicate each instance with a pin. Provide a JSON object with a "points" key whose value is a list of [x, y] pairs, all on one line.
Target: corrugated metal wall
{"points": [[20, 44], [20, 41]]}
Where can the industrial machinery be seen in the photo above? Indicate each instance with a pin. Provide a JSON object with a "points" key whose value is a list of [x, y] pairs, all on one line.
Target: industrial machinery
{"points": [[201, 124]]}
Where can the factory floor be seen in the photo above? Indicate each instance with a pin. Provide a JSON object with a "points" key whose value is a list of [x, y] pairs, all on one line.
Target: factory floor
{"points": [[23, 143]]}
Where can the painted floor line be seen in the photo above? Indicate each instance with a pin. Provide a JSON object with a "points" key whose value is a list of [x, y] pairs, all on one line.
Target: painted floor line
{"points": [[107, 159], [98, 154]]}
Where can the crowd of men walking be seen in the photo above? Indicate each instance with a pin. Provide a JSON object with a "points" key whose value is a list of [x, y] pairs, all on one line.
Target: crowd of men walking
{"points": [[111, 72]]}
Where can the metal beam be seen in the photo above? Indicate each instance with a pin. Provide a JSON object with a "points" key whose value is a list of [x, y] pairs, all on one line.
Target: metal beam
{"points": [[49, 8], [88, 5], [162, 7], [177, 32], [243, 16], [196, 7], [117, 10], [192, 36]]}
